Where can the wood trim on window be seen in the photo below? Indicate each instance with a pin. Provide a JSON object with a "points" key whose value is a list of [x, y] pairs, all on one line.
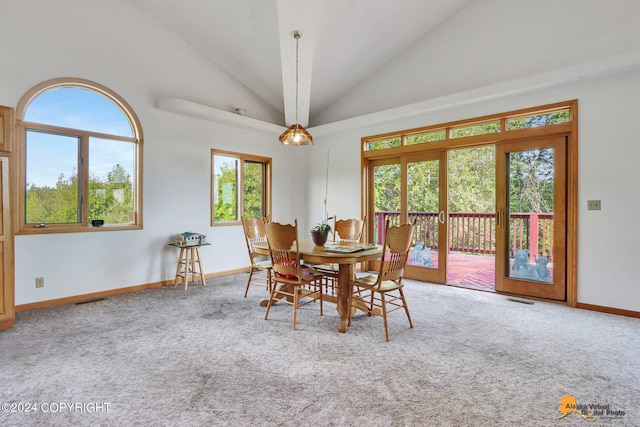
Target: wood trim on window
{"points": [[569, 128], [19, 183], [242, 157]]}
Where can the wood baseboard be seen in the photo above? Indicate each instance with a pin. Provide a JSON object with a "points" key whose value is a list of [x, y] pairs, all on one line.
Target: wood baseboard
{"points": [[7, 324], [610, 310], [111, 292], [84, 297]]}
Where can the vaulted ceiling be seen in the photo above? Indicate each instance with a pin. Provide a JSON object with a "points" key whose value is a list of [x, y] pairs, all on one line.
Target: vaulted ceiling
{"points": [[405, 50]]}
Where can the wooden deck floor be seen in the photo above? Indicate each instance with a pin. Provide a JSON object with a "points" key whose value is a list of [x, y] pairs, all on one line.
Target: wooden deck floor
{"points": [[470, 271]]}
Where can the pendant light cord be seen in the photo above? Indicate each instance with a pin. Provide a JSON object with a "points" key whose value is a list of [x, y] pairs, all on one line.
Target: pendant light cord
{"points": [[297, 37]]}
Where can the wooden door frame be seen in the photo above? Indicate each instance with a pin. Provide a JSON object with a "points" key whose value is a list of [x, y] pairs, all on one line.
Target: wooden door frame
{"points": [[438, 275], [570, 129], [433, 275], [532, 288], [7, 270]]}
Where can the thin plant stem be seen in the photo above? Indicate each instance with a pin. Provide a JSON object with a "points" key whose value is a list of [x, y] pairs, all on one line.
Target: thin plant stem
{"points": [[326, 189]]}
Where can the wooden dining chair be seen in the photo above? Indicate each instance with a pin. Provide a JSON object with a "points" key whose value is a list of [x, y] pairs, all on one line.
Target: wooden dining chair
{"points": [[348, 230], [344, 230], [382, 292], [301, 285], [260, 270]]}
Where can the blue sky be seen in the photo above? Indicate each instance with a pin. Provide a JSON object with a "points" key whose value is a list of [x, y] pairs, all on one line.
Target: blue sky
{"points": [[52, 155]]}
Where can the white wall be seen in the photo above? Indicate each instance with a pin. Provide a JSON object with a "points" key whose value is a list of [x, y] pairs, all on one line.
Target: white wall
{"points": [[608, 170], [116, 44], [470, 50]]}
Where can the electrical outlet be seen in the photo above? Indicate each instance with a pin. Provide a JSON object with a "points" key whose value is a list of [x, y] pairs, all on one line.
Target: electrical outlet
{"points": [[39, 282], [593, 205]]}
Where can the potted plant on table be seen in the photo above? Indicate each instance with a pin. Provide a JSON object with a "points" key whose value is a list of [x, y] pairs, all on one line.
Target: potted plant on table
{"points": [[320, 232]]}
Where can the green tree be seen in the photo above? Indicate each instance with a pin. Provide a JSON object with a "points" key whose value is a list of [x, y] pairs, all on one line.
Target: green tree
{"points": [[536, 120], [226, 201], [387, 188], [472, 179], [423, 186], [53, 205], [110, 199], [253, 200], [531, 181]]}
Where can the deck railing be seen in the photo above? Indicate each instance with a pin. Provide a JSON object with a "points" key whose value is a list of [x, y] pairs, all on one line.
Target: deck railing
{"points": [[475, 232]]}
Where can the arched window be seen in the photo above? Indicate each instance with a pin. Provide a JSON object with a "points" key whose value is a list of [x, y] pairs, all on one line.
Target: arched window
{"points": [[80, 159]]}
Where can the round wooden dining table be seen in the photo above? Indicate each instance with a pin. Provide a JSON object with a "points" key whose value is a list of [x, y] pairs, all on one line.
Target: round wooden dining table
{"points": [[346, 261]]}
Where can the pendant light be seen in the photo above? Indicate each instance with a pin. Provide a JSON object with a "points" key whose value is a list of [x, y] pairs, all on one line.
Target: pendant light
{"points": [[296, 134]]}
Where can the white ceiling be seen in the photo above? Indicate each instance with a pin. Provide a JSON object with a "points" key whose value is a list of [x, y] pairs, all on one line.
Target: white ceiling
{"points": [[353, 46]]}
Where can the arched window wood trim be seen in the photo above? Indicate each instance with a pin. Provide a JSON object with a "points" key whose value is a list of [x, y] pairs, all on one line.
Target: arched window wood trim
{"points": [[19, 182]]}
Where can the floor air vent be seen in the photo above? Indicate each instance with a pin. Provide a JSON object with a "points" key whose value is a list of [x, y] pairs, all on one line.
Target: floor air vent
{"points": [[89, 300], [521, 301]]}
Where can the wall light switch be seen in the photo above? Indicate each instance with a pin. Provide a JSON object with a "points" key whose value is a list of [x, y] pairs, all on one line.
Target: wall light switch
{"points": [[39, 282], [593, 205]]}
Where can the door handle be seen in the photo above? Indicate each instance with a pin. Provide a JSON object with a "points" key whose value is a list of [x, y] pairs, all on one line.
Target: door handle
{"points": [[441, 217], [498, 218]]}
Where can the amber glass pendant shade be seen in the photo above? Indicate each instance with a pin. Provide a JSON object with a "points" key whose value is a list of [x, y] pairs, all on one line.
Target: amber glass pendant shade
{"points": [[296, 135]]}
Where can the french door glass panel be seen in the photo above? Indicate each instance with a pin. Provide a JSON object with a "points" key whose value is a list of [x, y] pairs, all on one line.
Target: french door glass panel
{"points": [[423, 203], [426, 201], [408, 188], [530, 220], [531, 254], [471, 206], [386, 198]]}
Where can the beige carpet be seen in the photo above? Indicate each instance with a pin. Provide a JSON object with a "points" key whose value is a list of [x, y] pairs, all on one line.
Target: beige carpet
{"points": [[206, 357]]}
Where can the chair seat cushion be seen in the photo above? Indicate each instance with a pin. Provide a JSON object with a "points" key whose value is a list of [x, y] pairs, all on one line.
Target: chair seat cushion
{"points": [[264, 264], [370, 282], [308, 273]]}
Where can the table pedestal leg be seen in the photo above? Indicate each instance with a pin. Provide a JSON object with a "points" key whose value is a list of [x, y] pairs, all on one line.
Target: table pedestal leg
{"points": [[345, 290]]}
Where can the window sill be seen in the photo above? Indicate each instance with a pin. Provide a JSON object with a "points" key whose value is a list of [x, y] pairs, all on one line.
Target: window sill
{"points": [[57, 229]]}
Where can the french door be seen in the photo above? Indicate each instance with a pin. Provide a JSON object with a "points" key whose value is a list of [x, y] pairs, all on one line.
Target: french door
{"points": [[403, 189], [531, 217]]}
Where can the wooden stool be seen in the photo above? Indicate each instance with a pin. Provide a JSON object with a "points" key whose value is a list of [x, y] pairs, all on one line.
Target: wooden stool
{"points": [[189, 265]]}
